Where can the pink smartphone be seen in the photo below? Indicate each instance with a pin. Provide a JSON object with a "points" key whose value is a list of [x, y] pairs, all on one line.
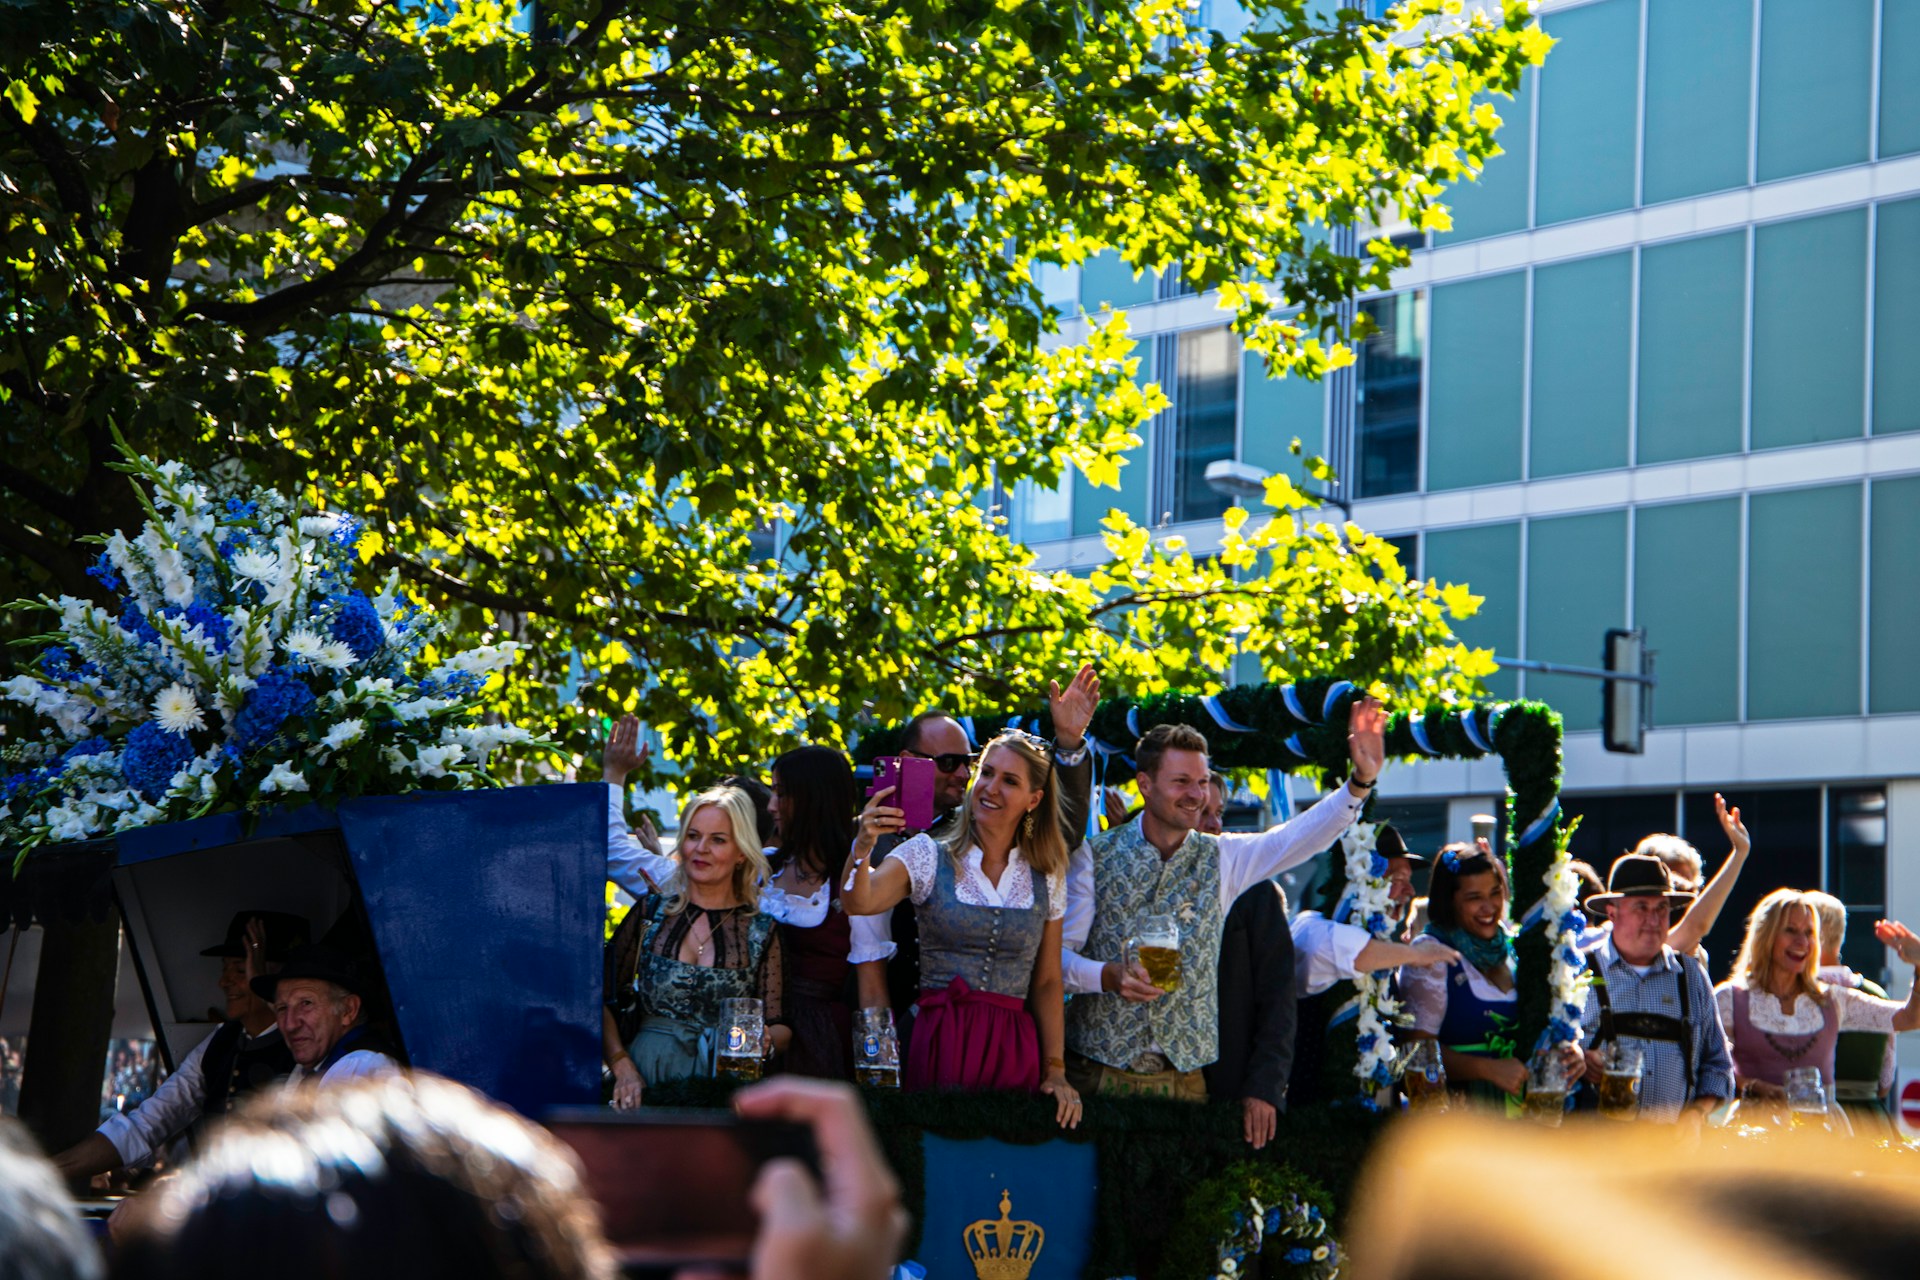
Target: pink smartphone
{"points": [[912, 780]]}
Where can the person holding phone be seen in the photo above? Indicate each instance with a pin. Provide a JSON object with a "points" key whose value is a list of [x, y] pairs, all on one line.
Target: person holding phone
{"points": [[988, 899], [814, 799], [700, 940]]}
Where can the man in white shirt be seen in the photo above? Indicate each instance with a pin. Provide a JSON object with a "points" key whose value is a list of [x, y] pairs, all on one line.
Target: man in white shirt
{"points": [[1128, 1037], [316, 1001], [244, 1053]]}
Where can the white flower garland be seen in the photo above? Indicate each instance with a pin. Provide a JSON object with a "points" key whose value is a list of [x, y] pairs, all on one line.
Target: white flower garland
{"points": [[1371, 905], [1567, 975]]}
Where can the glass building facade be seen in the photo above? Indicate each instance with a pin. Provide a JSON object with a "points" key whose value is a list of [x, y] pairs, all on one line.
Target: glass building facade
{"points": [[1658, 375]]}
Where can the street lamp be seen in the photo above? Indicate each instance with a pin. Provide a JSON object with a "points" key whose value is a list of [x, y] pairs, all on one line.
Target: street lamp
{"points": [[1231, 478]]}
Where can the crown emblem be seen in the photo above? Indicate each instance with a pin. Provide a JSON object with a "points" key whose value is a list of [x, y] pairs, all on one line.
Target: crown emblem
{"points": [[1004, 1250]]}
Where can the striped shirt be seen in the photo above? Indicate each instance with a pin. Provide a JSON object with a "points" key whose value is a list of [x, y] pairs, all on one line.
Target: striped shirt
{"points": [[1663, 1089]]}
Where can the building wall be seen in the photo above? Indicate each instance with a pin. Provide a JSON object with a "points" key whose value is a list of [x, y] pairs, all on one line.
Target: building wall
{"points": [[1657, 374]]}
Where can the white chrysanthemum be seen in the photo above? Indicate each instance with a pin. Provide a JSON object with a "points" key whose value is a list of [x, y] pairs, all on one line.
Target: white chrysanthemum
{"points": [[335, 655], [257, 566], [344, 734], [304, 645], [284, 777], [177, 711]]}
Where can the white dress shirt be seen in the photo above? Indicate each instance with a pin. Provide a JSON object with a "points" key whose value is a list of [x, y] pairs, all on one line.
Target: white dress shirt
{"points": [[1324, 952], [1246, 858], [174, 1106], [629, 862]]}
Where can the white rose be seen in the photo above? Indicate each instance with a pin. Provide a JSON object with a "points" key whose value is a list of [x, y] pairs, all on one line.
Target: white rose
{"points": [[347, 731], [284, 777]]}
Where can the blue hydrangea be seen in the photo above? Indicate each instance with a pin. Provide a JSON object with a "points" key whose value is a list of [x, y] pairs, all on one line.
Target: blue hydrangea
{"points": [[212, 624], [269, 704], [56, 663], [1377, 865], [1273, 1221], [103, 572], [1377, 925], [1560, 1030], [357, 625], [346, 532], [458, 684], [89, 747], [1297, 1257], [152, 757], [135, 623], [238, 510]]}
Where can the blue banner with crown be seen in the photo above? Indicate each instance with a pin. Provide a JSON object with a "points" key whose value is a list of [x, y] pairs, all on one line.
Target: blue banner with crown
{"points": [[1001, 1211]]}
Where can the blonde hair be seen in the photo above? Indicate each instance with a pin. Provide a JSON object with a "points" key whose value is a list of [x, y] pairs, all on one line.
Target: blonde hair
{"points": [[1679, 856], [1045, 849], [750, 872], [1754, 967], [1833, 921]]}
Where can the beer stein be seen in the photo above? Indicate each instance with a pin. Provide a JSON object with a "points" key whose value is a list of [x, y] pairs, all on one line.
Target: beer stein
{"points": [[876, 1049], [1619, 1085], [742, 1035], [1155, 947]]}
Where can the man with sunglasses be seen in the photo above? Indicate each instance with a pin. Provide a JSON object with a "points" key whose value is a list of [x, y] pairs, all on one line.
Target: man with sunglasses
{"points": [[886, 948]]}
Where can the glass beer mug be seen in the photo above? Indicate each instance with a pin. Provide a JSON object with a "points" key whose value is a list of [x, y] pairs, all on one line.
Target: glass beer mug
{"points": [[1423, 1077], [742, 1032], [876, 1049], [1155, 946]]}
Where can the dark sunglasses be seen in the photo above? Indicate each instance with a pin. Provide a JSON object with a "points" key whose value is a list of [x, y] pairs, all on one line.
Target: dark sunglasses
{"points": [[945, 762]]}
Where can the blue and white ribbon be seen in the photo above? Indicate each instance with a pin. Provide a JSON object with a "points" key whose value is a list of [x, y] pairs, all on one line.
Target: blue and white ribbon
{"points": [[1220, 717], [1133, 722], [966, 725], [1493, 721], [1291, 696], [1280, 799], [1470, 722], [1417, 726], [1542, 824], [1293, 744], [1013, 724], [1339, 688]]}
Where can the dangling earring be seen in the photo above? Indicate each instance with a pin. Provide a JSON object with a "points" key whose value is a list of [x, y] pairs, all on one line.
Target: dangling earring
{"points": [[1026, 828]]}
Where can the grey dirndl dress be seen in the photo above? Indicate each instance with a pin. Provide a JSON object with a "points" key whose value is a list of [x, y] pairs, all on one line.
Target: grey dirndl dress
{"points": [[668, 1010]]}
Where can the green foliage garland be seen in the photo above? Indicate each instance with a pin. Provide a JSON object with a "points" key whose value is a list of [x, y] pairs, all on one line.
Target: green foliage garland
{"points": [[1218, 1226]]}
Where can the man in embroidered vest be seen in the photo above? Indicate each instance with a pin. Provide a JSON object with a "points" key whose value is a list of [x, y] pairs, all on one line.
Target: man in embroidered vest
{"points": [[1123, 1034], [244, 1053], [316, 1000]]}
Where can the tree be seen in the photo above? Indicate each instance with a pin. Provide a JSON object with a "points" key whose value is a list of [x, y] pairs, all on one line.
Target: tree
{"points": [[574, 317]]}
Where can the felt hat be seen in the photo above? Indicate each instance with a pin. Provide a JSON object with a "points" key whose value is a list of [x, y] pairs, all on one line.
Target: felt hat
{"points": [[1389, 843], [1638, 875], [284, 930], [319, 963]]}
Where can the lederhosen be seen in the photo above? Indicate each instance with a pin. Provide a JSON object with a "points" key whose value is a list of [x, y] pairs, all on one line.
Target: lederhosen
{"points": [[230, 1070], [1649, 1026]]}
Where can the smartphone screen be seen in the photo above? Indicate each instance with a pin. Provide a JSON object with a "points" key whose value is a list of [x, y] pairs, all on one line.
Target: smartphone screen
{"points": [[673, 1186]]}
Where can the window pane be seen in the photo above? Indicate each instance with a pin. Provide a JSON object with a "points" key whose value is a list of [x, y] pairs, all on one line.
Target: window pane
{"points": [[1589, 92], [1899, 78], [1809, 329], [1803, 604], [1699, 67], [1473, 426], [1857, 872], [1387, 420], [1610, 824], [1091, 505], [1896, 318], [1576, 589], [1686, 593], [1107, 281], [1042, 515], [1497, 202], [1582, 349], [1206, 401], [1816, 81], [1275, 412], [1693, 305], [1893, 680], [1486, 559]]}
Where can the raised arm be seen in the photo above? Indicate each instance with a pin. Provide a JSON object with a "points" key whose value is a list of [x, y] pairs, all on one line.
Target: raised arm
{"points": [[1072, 710], [638, 866], [1907, 945], [1246, 859], [1704, 910], [871, 890]]}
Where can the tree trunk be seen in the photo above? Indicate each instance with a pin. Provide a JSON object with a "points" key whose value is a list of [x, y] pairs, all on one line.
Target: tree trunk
{"points": [[67, 1036]]}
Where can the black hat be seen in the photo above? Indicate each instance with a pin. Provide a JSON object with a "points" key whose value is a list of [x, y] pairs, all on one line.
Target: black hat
{"points": [[318, 962], [284, 932], [1389, 843], [1638, 875]]}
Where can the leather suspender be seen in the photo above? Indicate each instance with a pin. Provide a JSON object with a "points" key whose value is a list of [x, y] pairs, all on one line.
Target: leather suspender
{"points": [[1651, 1026]]}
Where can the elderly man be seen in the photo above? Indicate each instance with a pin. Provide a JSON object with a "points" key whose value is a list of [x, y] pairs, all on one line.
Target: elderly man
{"points": [[316, 1001], [1645, 991], [243, 1054], [1125, 1035]]}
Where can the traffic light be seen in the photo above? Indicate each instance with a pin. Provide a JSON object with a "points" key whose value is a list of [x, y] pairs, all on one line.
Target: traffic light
{"points": [[1625, 693]]}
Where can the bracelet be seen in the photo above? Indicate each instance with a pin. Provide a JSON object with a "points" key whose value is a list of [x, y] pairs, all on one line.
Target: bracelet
{"points": [[1070, 759], [1353, 780]]}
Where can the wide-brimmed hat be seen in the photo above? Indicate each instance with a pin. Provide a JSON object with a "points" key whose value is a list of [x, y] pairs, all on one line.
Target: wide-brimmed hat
{"points": [[1639, 875], [284, 930], [318, 963], [1389, 843]]}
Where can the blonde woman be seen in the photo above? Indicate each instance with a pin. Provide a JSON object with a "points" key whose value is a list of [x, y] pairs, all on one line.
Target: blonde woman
{"points": [[680, 952], [989, 898], [1777, 1012]]}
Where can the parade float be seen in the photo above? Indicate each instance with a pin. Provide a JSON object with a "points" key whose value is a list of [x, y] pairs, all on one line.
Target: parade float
{"points": [[247, 727]]}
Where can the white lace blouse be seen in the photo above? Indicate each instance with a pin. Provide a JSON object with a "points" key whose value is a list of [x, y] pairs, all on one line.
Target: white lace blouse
{"points": [[1858, 1011], [921, 856], [802, 911], [1425, 988]]}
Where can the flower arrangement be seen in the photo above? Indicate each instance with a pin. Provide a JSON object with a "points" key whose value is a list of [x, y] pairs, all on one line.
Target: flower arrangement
{"points": [[1369, 905], [1561, 917], [1259, 1211], [241, 667]]}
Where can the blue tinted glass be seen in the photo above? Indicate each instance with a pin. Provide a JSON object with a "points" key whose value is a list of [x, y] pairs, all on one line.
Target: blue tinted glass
{"points": [[1582, 353], [1816, 85], [1589, 100], [1809, 329], [1487, 559], [1497, 202], [1803, 603], [1693, 306], [1896, 318], [1479, 346], [1387, 417], [1206, 402], [1699, 67]]}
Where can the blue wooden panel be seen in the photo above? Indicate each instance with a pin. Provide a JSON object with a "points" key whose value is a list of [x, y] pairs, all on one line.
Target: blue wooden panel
{"points": [[146, 843], [1052, 1185], [486, 907]]}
